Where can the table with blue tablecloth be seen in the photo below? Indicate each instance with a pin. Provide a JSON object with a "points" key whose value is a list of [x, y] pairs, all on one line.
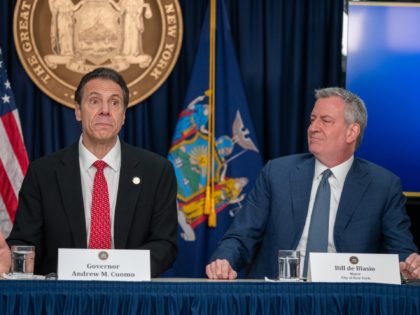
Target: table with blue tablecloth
{"points": [[193, 296]]}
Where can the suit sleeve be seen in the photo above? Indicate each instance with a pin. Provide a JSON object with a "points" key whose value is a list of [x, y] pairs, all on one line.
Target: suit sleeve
{"points": [[162, 239], [239, 243], [397, 237]]}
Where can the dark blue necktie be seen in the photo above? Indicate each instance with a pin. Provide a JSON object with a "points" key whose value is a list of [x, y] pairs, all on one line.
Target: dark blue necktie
{"points": [[318, 229]]}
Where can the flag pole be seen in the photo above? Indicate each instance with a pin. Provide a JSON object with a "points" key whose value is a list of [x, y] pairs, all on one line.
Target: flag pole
{"points": [[210, 207]]}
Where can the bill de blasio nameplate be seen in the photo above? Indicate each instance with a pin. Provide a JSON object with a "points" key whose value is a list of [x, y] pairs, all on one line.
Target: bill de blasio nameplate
{"points": [[105, 265], [342, 267]]}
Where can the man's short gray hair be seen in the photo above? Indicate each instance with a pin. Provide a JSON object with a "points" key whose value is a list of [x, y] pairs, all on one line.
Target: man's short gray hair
{"points": [[355, 110]]}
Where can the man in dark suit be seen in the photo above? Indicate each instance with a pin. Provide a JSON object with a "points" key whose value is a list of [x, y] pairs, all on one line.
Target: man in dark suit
{"points": [[57, 194], [366, 210]]}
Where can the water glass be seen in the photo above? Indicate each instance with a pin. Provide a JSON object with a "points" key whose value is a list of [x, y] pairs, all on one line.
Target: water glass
{"points": [[289, 265], [23, 258]]}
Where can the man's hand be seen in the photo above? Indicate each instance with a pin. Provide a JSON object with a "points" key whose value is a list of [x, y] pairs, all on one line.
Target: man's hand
{"points": [[220, 269], [5, 259], [410, 268]]}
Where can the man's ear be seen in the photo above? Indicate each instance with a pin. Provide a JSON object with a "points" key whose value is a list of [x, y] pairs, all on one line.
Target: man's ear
{"points": [[353, 133], [77, 112]]}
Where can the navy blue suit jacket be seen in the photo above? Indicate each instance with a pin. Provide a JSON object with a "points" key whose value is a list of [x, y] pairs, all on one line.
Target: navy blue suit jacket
{"points": [[371, 216]]}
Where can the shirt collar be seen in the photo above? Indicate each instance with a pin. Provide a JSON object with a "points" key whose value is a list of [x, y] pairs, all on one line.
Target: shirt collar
{"points": [[339, 171], [112, 158]]}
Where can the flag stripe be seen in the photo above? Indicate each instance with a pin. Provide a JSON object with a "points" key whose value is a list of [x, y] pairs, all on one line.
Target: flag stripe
{"points": [[5, 222], [11, 165], [7, 193], [15, 138], [17, 120]]}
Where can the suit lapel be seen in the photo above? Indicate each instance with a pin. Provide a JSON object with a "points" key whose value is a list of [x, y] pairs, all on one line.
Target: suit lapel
{"points": [[128, 191], [301, 184], [70, 185], [355, 186]]}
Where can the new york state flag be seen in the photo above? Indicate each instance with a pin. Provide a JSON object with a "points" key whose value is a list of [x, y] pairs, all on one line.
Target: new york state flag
{"points": [[236, 160]]}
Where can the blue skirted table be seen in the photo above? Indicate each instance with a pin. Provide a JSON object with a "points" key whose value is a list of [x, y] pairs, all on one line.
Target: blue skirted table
{"points": [[188, 296]]}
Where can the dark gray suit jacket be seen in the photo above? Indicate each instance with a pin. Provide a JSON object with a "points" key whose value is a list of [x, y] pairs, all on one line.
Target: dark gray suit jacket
{"points": [[371, 216], [51, 213]]}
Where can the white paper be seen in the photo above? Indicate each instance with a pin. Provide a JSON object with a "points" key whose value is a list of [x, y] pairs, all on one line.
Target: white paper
{"points": [[24, 276]]}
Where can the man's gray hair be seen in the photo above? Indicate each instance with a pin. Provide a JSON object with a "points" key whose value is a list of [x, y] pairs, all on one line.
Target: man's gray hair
{"points": [[355, 109]]}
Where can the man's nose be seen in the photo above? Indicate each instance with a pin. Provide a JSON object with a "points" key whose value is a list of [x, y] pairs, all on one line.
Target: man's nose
{"points": [[313, 126], [105, 108]]}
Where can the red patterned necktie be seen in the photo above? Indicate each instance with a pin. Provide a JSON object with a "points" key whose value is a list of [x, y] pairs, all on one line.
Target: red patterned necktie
{"points": [[100, 222]]}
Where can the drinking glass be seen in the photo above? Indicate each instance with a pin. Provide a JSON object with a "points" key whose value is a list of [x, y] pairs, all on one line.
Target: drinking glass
{"points": [[289, 265], [23, 258]]}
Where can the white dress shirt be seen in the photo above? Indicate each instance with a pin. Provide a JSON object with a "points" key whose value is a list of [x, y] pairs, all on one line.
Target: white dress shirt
{"points": [[112, 175], [336, 181]]}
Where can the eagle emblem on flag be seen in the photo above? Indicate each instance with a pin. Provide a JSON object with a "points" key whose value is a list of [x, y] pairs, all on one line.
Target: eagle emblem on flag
{"points": [[189, 156]]}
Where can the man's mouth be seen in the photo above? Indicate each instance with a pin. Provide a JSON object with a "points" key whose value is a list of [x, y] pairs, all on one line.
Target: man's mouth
{"points": [[314, 139]]}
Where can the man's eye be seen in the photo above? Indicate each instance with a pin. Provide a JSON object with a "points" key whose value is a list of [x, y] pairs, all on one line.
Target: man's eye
{"points": [[115, 103]]}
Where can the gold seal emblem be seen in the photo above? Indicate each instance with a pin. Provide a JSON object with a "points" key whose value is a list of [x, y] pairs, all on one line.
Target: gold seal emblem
{"points": [[58, 41], [354, 260], [103, 255]]}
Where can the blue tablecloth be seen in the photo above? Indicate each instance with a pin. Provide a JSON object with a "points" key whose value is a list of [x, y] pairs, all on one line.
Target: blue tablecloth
{"points": [[206, 297]]}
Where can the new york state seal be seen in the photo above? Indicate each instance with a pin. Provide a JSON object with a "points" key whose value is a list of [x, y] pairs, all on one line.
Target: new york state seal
{"points": [[58, 41]]}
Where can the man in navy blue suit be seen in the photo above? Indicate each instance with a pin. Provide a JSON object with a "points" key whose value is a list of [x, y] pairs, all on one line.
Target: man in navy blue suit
{"points": [[367, 208]]}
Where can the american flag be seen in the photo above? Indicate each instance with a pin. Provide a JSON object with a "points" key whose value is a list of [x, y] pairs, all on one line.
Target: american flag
{"points": [[13, 156]]}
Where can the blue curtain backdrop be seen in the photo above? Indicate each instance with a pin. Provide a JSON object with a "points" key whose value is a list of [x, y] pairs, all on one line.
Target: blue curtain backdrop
{"points": [[285, 49]]}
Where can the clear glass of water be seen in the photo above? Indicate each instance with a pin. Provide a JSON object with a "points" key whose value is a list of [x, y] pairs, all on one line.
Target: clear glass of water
{"points": [[289, 265], [23, 258]]}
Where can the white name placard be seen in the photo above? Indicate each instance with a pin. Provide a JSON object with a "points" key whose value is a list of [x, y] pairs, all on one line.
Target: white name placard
{"points": [[340, 267], [105, 265]]}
